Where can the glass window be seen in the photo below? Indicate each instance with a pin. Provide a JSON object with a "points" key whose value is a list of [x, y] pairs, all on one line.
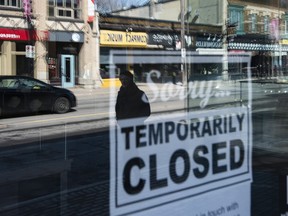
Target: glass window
{"points": [[236, 17], [160, 107], [10, 83], [253, 22], [7, 83], [266, 23], [11, 3], [65, 9]]}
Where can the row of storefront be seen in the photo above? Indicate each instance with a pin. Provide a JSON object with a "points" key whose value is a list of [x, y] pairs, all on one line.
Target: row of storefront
{"points": [[63, 50], [19, 55], [268, 58]]}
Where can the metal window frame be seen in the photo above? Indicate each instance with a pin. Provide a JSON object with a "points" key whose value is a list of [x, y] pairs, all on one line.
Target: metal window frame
{"points": [[266, 23], [56, 8], [9, 3], [64, 4], [236, 14]]}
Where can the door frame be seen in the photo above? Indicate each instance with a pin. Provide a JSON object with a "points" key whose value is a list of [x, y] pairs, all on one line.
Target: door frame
{"points": [[68, 76]]}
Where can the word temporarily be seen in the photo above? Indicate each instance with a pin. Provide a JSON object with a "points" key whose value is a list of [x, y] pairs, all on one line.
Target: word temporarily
{"points": [[162, 132]]}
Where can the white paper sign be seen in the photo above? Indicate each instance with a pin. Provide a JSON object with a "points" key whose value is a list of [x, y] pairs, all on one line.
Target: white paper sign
{"points": [[194, 160], [30, 51]]}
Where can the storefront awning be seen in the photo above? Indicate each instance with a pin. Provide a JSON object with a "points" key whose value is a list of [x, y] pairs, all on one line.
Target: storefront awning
{"points": [[257, 47], [22, 34]]}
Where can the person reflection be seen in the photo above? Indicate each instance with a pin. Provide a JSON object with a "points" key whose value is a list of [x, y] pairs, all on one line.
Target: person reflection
{"points": [[131, 101]]}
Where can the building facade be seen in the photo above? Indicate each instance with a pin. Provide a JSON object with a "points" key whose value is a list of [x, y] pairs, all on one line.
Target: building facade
{"points": [[257, 27], [49, 41], [130, 35], [53, 41], [252, 26]]}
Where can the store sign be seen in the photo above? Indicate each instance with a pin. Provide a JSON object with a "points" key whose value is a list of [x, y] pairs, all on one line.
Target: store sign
{"points": [[169, 40], [208, 44], [14, 34], [284, 41], [118, 38], [166, 40], [22, 34]]}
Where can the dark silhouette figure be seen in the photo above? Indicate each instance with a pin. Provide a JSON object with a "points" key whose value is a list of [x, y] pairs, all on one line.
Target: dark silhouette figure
{"points": [[174, 77], [131, 101]]}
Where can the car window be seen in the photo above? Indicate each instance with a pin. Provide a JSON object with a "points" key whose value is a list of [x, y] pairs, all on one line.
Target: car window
{"points": [[9, 83], [31, 84]]}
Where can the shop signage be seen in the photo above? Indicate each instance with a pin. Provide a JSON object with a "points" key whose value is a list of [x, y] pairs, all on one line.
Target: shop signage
{"points": [[165, 39], [119, 38], [14, 34], [22, 34], [208, 44], [284, 41], [168, 40]]}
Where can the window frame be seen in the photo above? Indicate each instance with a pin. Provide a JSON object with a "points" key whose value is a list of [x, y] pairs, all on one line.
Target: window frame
{"points": [[9, 4], [253, 22], [236, 15], [61, 8], [266, 23]]}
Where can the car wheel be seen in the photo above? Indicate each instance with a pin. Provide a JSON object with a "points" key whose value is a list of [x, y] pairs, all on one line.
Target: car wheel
{"points": [[62, 105]]}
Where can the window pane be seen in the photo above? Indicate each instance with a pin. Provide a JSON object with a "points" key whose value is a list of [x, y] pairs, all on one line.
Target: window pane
{"points": [[60, 3], [64, 9], [215, 74]]}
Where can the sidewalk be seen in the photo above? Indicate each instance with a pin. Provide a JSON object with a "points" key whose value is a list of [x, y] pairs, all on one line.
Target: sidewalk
{"points": [[80, 91], [2, 126]]}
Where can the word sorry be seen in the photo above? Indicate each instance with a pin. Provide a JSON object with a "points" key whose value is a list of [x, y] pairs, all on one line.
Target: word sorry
{"points": [[197, 89]]}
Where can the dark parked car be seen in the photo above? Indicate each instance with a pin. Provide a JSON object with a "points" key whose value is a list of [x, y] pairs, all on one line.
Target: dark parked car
{"points": [[21, 94]]}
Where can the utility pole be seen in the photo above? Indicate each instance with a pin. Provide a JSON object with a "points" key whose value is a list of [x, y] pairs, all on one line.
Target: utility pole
{"points": [[183, 46], [96, 57], [225, 40]]}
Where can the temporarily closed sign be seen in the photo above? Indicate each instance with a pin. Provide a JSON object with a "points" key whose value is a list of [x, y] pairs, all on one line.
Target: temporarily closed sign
{"points": [[182, 157]]}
